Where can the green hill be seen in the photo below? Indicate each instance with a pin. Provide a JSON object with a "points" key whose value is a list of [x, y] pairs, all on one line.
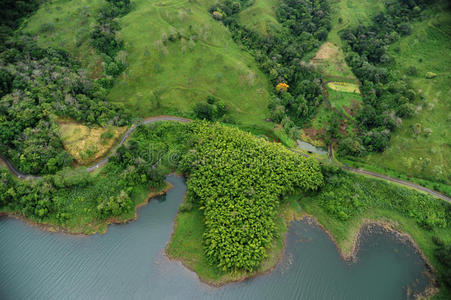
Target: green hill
{"points": [[177, 55]]}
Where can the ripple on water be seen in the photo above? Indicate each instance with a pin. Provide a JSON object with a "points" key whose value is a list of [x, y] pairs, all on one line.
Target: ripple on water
{"points": [[129, 262]]}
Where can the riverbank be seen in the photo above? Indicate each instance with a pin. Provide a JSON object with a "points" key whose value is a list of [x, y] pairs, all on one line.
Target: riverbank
{"points": [[347, 236], [350, 247], [186, 246], [90, 229]]}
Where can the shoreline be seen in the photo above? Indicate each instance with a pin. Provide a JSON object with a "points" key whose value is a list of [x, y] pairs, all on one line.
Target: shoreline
{"points": [[289, 216], [48, 227], [351, 255]]}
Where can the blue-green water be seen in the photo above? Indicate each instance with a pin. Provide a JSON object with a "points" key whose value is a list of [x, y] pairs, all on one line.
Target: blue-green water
{"points": [[129, 263]]}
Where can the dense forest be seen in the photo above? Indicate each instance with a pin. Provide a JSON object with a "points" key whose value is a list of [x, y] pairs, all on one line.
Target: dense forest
{"points": [[70, 194], [239, 180], [297, 86], [387, 97], [38, 86]]}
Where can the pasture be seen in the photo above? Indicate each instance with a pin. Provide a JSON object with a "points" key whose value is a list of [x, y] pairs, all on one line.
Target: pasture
{"points": [[177, 55], [422, 146]]}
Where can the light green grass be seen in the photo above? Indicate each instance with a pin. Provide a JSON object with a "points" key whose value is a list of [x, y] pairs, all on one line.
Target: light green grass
{"points": [[167, 79], [342, 100], [66, 24], [260, 16], [330, 61], [352, 13], [322, 117], [215, 65], [422, 155]]}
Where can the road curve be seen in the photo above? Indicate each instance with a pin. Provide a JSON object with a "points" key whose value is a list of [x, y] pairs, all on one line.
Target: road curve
{"points": [[92, 168], [148, 120], [131, 130]]}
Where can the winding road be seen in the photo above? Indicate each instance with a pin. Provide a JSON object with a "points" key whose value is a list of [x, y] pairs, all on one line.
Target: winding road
{"points": [[148, 120]]}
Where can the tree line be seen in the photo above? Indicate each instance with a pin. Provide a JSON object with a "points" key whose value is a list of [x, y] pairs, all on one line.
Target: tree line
{"points": [[387, 97], [37, 86], [305, 25]]}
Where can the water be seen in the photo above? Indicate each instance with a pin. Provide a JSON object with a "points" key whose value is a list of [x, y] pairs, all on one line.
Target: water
{"points": [[310, 148], [129, 263]]}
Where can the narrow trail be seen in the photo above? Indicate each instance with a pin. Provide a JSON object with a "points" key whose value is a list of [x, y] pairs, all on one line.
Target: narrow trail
{"points": [[148, 120]]}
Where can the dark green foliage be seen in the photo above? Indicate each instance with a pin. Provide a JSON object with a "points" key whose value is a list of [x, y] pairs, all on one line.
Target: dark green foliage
{"points": [[12, 12], [280, 54], [443, 255], [386, 97], [239, 180], [152, 153], [105, 41], [212, 110], [345, 195], [62, 197], [40, 84]]}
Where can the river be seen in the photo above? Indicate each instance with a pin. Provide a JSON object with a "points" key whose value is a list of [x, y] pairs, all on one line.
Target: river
{"points": [[128, 262]]}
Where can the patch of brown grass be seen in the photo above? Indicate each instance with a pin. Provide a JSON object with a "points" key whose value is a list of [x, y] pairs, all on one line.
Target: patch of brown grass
{"points": [[88, 144], [326, 51]]}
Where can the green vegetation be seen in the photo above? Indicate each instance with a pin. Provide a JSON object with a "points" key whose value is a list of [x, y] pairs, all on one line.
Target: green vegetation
{"points": [[297, 90], [421, 146], [347, 200], [330, 61], [38, 85], [178, 56], [86, 144], [346, 103], [62, 24], [238, 181], [79, 202], [187, 244], [261, 17], [350, 14]]}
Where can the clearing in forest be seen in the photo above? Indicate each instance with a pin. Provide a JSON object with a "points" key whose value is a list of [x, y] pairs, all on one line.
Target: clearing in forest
{"points": [[88, 144], [330, 61], [345, 87]]}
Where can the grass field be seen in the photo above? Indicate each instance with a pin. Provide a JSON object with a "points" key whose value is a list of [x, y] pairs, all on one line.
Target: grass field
{"points": [[260, 16], [177, 55], [422, 146], [347, 103], [87, 144]]}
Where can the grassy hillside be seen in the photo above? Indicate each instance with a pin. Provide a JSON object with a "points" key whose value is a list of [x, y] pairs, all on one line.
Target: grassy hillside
{"points": [[421, 147], [261, 16], [66, 24], [351, 13], [177, 56]]}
